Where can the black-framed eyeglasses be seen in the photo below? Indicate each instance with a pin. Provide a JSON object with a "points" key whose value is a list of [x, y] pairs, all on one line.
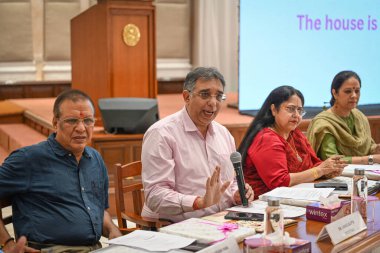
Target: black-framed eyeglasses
{"points": [[293, 109], [88, 122], [205, 95]]}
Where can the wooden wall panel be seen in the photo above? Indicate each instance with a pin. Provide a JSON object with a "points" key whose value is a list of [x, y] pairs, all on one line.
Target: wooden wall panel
{"points": [[117, 149], [130, 76], [11, 91], [89, 53], [41, 89], [238, 133], [33, 89], [374, 122]]}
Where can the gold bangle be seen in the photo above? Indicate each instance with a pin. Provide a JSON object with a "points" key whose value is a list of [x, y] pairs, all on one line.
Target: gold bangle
{"points": [[315, 173]]}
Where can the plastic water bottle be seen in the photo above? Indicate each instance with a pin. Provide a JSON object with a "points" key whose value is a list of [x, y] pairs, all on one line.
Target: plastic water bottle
{"points": [[359, 193], [274, 217]]}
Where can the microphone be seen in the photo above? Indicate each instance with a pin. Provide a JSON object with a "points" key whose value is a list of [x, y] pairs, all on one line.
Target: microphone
{"points": [[236, 162]]}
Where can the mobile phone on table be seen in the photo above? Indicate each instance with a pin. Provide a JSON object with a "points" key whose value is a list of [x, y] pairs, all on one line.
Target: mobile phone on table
{"points": [[244, 216], [336, 185]]}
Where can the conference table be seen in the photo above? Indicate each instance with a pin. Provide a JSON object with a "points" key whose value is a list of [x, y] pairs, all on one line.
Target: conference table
{"points": [[362, 242], [365, 241]]}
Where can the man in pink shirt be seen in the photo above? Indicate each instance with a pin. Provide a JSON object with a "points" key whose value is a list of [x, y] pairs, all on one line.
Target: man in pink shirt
{"points": [[186, 167]]}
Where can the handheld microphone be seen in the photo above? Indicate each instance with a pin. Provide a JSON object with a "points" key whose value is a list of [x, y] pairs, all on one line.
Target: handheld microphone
{"points": [[236, 162]]}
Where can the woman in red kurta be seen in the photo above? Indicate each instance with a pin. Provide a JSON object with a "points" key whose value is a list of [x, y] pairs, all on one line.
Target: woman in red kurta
{"points": [[275, 153]]}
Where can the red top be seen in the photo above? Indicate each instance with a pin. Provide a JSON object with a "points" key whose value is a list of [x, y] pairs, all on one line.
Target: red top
{"points": [[270, 159]]}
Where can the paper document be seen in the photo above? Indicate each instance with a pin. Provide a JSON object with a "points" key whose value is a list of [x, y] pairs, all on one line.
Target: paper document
{"points": [[152, 241], [258, 206], [125, 249], [371, 171], [310, 194], [374, 167], [207, 231], [373, 186], [348, 181]]}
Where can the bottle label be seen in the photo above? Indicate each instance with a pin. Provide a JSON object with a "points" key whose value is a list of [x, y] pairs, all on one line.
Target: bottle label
{"points": [[274, 222], [359, 195], [359, 204]]}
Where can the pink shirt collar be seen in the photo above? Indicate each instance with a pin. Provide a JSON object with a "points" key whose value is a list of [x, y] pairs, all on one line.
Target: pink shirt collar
{"points": [[189, 126]]}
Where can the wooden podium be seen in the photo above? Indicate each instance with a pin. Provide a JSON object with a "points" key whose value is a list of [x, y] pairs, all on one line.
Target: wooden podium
{"points": [[113, 50]]}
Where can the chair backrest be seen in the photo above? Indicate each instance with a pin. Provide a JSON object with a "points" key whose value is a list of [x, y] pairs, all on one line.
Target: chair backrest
{"points": [[5, 202], [128, 180]]}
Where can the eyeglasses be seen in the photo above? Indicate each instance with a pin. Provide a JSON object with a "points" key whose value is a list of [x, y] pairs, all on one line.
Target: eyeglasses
{"points": [[88, 122], [205, 95], [293, 109]]}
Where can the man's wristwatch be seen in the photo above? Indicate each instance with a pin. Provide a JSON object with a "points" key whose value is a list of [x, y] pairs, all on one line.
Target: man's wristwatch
{"points": [[370, 159]]}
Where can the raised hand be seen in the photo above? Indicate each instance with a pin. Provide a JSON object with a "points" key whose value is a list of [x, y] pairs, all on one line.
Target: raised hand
{"points": [[214, 189]]}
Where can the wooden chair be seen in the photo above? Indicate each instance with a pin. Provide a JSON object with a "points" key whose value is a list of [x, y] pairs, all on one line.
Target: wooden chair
{"points": [[5, 202], [128, 181]]}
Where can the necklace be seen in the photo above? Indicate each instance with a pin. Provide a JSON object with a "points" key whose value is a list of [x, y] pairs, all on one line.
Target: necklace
{"points": [[299, 158]]}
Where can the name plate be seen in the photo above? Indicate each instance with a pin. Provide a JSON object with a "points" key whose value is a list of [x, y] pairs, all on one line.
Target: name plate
{"points": [[343, 228], [227, 246]]}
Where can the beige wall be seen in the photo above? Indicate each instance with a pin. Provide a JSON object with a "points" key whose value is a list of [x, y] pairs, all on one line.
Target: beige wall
{"points": [[173, 33], [35, 42], [15, 31], [57, 16], [173, 28]]}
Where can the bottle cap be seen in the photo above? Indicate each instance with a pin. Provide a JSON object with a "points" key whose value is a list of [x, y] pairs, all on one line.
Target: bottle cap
{"points": [[273, 202], [359, 171]]}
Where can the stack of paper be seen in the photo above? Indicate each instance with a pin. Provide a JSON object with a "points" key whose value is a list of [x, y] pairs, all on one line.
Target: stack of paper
{"points": [[259, 206], [371, 171], [208, 231], [297, 196], [151, 241]]}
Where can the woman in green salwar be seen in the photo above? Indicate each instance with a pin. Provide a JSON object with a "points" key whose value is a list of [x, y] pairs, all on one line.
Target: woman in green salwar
{"points": [[343, 129]]}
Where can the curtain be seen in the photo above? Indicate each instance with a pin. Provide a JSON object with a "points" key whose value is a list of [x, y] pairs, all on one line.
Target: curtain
{"points": [[215, 38]]}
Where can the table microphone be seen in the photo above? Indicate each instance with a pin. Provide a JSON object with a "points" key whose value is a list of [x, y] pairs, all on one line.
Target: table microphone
{"points": [[236, 162]]}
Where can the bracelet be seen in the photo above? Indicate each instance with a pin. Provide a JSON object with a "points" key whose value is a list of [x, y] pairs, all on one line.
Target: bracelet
{"points": [[315, 173], [7, 241], [195, 204]]}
